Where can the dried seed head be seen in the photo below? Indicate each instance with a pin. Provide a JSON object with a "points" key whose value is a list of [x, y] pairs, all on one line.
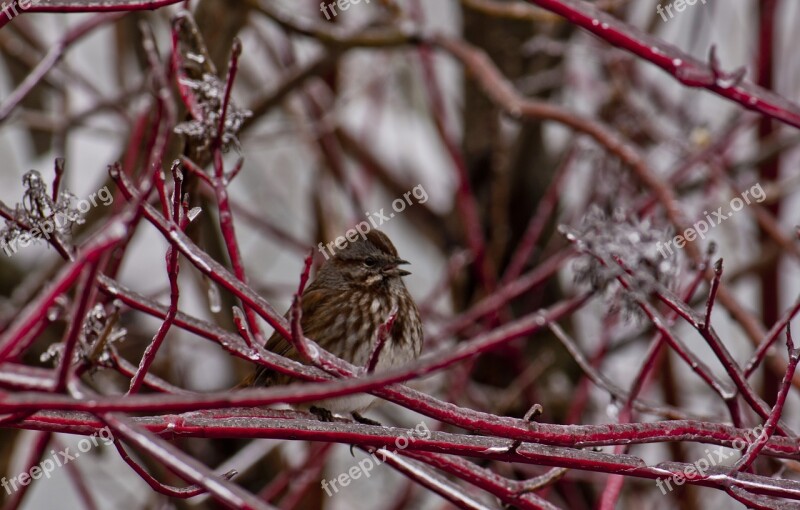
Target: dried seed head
{"points": [[98, 335], [209, 93], [40, 213], [616, 244]]}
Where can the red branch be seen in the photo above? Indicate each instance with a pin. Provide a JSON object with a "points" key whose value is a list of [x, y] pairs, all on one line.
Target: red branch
{"points": [[684, 68]]}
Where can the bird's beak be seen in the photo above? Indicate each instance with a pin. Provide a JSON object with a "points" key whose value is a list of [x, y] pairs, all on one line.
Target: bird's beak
{"points": [[393, 270]]}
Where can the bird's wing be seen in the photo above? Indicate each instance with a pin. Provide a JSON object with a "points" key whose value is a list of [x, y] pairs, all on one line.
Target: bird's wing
{"points": [[277, 343]]}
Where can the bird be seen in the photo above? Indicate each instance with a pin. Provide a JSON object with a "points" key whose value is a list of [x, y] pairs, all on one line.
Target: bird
{"points": [[354, 293]]}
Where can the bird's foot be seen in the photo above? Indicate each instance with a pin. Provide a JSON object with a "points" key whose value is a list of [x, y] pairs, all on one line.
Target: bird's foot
{"points": [[321, 413], [366, 421]]}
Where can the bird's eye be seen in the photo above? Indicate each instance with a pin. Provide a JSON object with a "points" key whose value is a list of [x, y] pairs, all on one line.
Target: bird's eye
{"points": [[370, 261]]}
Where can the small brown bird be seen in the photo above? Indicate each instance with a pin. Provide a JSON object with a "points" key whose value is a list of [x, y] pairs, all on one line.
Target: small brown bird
{"points": [[353, 294]]}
